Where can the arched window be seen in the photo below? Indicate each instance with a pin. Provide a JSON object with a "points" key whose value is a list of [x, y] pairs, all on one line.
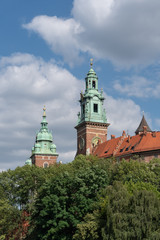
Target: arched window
{"points": [[94, 84], [45, 164]]}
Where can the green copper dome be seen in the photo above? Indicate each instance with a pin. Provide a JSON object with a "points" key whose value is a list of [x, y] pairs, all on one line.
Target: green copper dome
{"points": [[44, 140], [44, 136], [28, 162]]}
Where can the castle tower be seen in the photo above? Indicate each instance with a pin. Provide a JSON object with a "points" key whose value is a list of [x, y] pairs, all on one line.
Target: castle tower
{"points": [[44, 151], [92, 123]]}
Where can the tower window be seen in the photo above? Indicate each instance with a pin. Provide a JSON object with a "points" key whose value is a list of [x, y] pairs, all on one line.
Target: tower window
{"points": [[83, 108], [95, 107], [94, 84]]}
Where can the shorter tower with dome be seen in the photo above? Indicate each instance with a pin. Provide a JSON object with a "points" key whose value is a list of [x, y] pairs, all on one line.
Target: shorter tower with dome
{"points": [[44, 150]]}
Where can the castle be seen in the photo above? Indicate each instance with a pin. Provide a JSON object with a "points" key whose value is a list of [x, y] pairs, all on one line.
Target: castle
{"points": [[92, 133]]}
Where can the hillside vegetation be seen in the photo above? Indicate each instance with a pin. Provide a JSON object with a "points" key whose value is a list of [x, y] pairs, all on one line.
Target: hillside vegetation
{"points": [[87, 199]]}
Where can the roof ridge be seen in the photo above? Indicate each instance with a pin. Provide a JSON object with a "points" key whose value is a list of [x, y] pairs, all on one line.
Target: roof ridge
{"points": [[121, 140]]}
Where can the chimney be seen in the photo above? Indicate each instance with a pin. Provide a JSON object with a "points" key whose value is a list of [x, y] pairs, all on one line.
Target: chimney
{"points": [[123, 133], [145, 130], [129, 138], [153, 134], [113, 136]]}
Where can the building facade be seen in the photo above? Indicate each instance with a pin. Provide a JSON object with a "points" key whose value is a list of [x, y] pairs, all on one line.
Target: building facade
{"points": [[145, 144]]}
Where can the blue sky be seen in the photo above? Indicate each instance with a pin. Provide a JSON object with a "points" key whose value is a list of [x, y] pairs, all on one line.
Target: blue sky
{"points": [[45, 52]]}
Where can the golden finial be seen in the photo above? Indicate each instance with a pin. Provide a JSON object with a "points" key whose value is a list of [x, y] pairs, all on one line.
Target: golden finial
{"points": [[44, 111], [91, 62]]}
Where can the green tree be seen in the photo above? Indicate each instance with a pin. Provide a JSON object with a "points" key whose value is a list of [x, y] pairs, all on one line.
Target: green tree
{"points": [[135, 171], [9, 219], [123, 214], [89, 228], [20, 185], [64, 200]]}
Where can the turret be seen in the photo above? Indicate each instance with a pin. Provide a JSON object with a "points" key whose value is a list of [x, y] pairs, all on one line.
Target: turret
{"points": [[44, 150], [143, 127]]}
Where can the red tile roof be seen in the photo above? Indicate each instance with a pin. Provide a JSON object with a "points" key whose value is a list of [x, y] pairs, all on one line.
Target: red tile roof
{"points": [[106, 149], [126, 145]]}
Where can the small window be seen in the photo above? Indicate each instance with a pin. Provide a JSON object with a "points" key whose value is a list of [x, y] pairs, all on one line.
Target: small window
{"points": [[127, 148], [132, 148], [121, 150], [94, 84], [45, 165], [83, 108], [95, 107]]}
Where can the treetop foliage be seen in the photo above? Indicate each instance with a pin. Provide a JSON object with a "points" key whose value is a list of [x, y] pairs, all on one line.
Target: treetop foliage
{"points": [[89, 198]]}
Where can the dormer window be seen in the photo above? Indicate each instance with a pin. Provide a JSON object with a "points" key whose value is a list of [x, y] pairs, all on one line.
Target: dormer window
{"points": [[94, 84]]}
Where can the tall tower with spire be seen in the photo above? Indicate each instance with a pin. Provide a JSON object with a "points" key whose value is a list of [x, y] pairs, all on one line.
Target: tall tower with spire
{"points": [[44, 150], [92, 122]]}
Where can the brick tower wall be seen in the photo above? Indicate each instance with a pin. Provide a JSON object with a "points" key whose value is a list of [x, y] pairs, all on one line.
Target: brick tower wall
{"points": [[40, 160], [88, 131]]}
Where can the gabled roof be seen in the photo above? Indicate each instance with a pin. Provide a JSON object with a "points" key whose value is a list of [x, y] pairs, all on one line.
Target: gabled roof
{"points": [[122, 147], [106, 149], [141, 126]]}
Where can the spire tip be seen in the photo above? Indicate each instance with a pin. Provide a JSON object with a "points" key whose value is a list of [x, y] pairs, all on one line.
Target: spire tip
{"points": [[91, 62], [44, 111]]}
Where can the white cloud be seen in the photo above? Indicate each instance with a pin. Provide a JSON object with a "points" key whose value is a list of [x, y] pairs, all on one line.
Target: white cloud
{"points": [[60, 34], [68, 155], [122, 114], [92, 12], [29, 83], [20, 153], [138, 86], [135, 86], [123, 31]]}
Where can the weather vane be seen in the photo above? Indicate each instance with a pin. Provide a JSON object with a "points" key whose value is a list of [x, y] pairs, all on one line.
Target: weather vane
{"points": [[44, 111], [91, 62]]}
